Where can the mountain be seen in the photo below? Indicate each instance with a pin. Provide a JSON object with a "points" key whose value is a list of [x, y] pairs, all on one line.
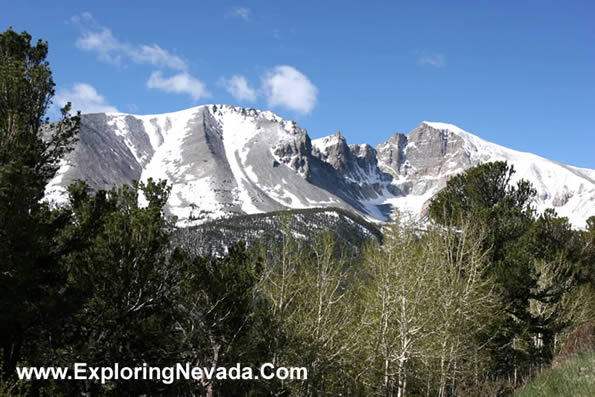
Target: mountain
{"points": [[269, 230], [223, 160]]}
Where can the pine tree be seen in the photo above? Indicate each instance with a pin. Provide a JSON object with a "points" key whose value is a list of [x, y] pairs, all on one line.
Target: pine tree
{"points": [[120, 262], [486, 195], [218, 306], [31, 279]]}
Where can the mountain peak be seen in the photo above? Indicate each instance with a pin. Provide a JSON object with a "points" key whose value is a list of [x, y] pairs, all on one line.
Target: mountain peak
{"points": [[445, 127], [212, 108], [223, 160], [330, 141]]}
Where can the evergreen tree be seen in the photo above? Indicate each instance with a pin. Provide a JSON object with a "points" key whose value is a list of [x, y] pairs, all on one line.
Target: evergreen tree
{"points": [[562, 271], [536, 262], [587, 257], [31, 279], [119, 260], [219, 309]]}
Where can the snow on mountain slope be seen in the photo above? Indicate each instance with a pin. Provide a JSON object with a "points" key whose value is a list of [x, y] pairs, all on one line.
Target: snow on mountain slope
{"points": [[322, 144], [222, 160], [569, 190], [219, 159]]}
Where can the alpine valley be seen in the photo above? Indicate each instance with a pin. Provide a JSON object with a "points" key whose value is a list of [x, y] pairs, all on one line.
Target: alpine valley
{"points": [[222, 161]]}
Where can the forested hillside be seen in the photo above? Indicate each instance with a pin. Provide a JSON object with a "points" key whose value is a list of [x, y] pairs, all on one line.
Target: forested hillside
{"points": [[268, 229]]}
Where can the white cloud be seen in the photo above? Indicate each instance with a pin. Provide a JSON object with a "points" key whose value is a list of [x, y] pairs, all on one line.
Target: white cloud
{"points": [[239, 12], [83, 16], [287, 87], [103, 42], [84, 97], [238, 87], [100, 39], [435, 60], [157, 56], [182, 83]]}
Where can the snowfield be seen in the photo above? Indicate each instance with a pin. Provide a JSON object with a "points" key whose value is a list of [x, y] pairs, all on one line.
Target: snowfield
{"points": [[223, 160]]}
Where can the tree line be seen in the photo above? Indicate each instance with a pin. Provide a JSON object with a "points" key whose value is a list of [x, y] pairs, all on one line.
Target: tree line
{"points": [[473, 302]]}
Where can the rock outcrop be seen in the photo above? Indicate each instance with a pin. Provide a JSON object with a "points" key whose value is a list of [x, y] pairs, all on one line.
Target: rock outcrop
{"points": [[223, 160]]}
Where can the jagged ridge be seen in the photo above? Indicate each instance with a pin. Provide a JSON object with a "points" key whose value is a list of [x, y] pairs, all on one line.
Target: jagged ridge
{"points": [[223, 160]]}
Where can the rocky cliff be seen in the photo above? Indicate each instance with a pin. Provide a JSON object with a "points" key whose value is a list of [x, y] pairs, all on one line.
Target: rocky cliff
{"points": [[223, 160]]}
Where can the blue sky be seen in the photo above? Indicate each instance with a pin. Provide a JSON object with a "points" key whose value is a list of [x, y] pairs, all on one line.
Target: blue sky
{"points": [[517, 73]]}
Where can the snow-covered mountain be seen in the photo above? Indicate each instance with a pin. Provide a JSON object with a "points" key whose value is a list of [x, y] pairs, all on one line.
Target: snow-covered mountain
{"points": [[223, 160]]}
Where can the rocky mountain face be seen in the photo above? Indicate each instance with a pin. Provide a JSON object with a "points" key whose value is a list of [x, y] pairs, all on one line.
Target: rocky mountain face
{"points": [[223, 160]]}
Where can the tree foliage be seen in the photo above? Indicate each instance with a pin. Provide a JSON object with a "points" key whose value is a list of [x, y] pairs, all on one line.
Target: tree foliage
{"points": [[422, 291], [536, 262], [31, 279], [484, 294], [219, 309]]}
